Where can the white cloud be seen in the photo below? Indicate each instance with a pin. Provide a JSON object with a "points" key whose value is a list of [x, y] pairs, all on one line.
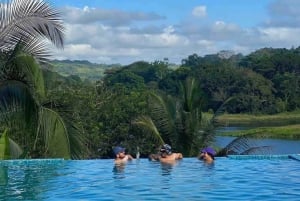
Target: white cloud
{"points": [[88, 15], [199, 11], [284, 36], [114, 36]]}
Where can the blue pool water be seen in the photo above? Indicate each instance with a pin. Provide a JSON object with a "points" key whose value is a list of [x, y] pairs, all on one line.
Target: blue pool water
{"points": [[190, 179]]}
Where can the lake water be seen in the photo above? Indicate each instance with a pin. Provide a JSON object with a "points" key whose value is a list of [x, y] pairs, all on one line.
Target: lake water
{"points": [[189, 179], [277, 146]]}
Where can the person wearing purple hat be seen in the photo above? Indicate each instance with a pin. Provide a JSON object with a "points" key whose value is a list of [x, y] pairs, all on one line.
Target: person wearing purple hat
{"points": [[121, 157], [207, 154]]}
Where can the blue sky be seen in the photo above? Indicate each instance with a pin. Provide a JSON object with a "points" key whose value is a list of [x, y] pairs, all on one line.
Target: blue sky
{"points": [[125, 31]]}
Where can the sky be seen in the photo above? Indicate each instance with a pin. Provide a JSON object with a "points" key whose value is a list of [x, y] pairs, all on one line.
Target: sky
{"points": [[126, 31]]}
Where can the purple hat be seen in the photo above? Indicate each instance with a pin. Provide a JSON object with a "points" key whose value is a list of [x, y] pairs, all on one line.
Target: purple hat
{"points": [[209, 150], [118, 150]]}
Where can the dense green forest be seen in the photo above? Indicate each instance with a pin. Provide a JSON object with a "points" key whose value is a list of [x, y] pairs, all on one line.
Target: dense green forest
{"points": [[264, 82]]}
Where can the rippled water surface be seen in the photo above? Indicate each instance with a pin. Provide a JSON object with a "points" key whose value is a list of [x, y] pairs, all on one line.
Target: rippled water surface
{"points": [[189, 179]]}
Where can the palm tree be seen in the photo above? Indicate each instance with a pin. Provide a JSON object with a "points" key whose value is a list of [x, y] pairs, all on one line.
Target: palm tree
{"points": [[181, 123], [178, 122], [24, 24]]}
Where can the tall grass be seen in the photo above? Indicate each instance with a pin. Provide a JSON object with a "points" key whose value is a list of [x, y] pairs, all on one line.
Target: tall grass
{"points": [[281, 119], [283, 125], [281, 132]]}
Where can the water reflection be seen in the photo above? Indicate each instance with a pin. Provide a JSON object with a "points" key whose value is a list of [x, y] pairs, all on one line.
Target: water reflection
{"points": [[119, 171], [166, 168], [119, 168], [25, 182], [208, 165], [3, 177]]}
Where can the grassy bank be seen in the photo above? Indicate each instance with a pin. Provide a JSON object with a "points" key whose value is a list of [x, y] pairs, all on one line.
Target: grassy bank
{"points": [[281, 132], [281, 119], [284, 125]]}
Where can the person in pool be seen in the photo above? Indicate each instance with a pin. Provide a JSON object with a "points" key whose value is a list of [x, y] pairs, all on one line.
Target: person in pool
{"points": [[121, 156], [207, 155], [165, 155]]}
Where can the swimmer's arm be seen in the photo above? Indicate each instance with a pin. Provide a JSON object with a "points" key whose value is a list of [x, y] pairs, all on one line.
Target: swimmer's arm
{"points": [[154, 157], [179, 156], [130, 157]]}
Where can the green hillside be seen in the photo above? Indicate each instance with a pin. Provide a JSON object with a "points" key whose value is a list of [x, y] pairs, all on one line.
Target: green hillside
{"points": [[83, 69]]}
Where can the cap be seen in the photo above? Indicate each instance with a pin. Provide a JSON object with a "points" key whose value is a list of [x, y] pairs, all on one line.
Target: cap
{"points": [[209, 150], [166, 148], [118, 150]]}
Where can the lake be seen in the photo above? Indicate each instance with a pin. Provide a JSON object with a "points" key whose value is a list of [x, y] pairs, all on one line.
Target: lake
{"points": [[277, 146]]}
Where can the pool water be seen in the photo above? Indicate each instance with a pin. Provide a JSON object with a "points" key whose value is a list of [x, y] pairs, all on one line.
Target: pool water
{"points": [[189, 179]]}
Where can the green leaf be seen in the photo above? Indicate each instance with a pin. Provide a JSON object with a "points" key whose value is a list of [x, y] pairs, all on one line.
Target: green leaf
{"points": [[16, 98], [4, 146], [30, 20], [53, 130], [148, 126], [23, 62], [163, 114], [15, 149]]}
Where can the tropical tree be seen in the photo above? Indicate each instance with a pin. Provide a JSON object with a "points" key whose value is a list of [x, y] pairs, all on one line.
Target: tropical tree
{"points": [[24, 26], [178, 121], [181, 123]]}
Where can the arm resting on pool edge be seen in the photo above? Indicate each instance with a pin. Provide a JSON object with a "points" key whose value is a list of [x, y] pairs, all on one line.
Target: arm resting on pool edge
{"points": [[154, 157], [129, 157], [157, 157]]}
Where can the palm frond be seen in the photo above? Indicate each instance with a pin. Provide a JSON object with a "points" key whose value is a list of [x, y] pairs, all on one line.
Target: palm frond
{"points": [[221, 109], [207, 131], [257, 150], [4, 146], [8, 148], [146, 123], [243, 145], [39, 50], [78, 141], [239, 145], [15, 150], [28, 69], [191, 94], [53, 129], [163, 114], [16, 100], [76, 135], [28, 19]]}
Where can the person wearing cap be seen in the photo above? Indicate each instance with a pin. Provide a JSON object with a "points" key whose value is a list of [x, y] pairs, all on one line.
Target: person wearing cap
{"points": [[165, 155], [207, 155], [121, 156]]}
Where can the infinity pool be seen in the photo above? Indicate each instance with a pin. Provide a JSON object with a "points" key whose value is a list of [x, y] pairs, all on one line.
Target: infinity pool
{"points": [[190, 179]]}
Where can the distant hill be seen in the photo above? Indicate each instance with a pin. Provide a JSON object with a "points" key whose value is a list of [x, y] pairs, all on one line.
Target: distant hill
{"points": [[82, 68], [85, 69]]}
